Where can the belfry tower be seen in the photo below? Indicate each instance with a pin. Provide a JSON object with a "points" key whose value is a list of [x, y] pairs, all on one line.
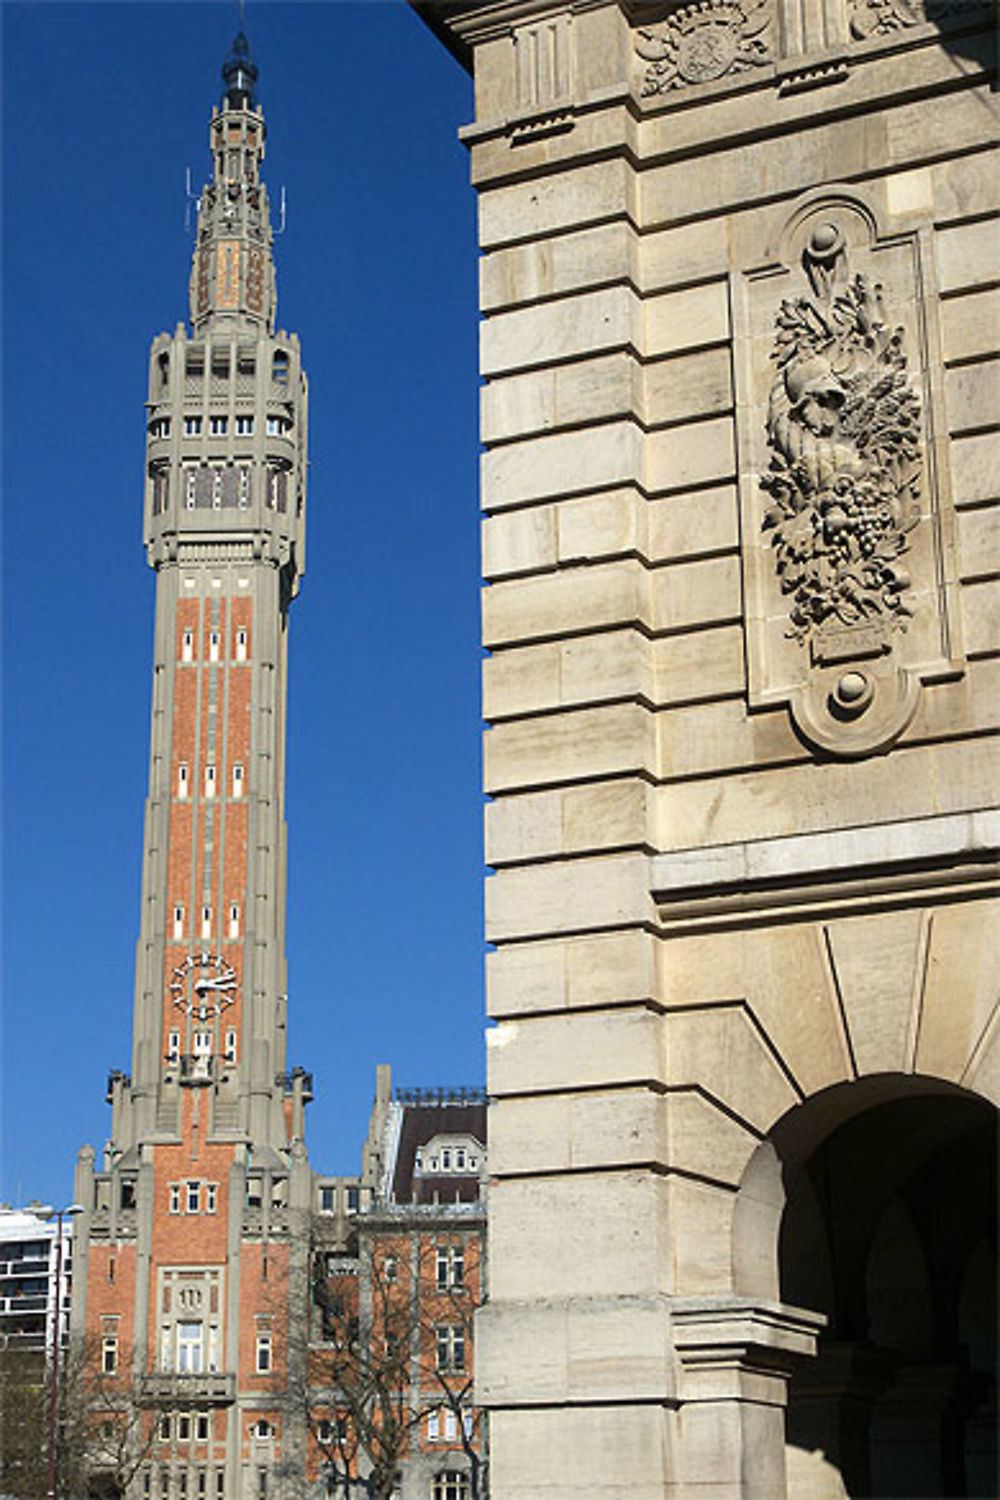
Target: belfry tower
{"points": [[185, 1258]]}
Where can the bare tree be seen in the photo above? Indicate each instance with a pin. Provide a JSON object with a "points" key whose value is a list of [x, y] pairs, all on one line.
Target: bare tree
{"points": [[382, 1356]]}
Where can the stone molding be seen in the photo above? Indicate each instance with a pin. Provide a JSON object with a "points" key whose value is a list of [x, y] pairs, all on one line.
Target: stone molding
{"points": [[721, 1340], [814, 874]]}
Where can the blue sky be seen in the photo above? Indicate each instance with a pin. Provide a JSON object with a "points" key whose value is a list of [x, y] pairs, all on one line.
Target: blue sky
{"points": [[104, 106]]}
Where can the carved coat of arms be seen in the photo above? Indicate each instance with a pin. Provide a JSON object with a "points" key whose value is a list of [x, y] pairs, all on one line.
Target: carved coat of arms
{"points": [[703, 42], [843, 429]]}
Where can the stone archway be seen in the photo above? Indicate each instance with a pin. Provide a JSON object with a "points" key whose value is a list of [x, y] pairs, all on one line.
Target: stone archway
{"points": [[874, 1203]]}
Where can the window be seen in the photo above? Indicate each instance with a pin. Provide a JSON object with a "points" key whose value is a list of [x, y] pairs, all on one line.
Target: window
{"points": [[183, 1427], [244, 426], [182, 779], [244, 488], [206, 921], [449, 1348], [241, 644], [165, 1428], [193, 1197], [451, 1485], [109, 1353], [449, 1267], [187, 645], [213, 645], [216, 489], [446, 1160], [190, 1348], [460, 1158], [327, 1200], [263, 1353], [201, 1427], [220, 1484], [173, 1046], [230, 1053], [192, 426], [262, 1484], [234, 920], [182, 1485], [178, 921], [159, 427], [209, 781], [146, 1484], [275, 426], [175, 1197], [353, 1199], [237, 780], [190, 488], [279, 367], [263, 1429], [433, 1425], [211, 1193], [324, 1430], [202, 1484], [218, 426], [391, 1268]]}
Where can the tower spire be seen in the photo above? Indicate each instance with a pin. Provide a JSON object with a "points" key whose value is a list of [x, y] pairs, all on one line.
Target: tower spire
{"points": [[232, 277]]}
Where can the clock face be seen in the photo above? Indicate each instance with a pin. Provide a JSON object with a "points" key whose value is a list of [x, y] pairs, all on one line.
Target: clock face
{"points": [[213, 985]]}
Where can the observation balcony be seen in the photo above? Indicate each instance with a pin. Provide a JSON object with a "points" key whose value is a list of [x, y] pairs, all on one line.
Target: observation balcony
{"points": [[168, 1388]]}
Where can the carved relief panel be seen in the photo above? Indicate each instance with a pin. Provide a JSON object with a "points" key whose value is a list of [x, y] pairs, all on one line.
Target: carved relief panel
{"points": [[846, 516]]}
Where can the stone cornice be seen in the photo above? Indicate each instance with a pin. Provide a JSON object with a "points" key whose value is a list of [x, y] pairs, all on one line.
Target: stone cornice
{"points": [[829, 872]]}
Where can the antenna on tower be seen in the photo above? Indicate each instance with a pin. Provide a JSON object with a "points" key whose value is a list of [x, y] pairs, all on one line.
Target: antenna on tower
{"points": [[189, 198]]}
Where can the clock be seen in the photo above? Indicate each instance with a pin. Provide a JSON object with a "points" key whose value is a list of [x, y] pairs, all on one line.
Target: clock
{"points": [[214, 985]]}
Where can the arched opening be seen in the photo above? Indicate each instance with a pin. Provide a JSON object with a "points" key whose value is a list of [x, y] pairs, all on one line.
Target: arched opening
{"points": [[888, 1228]]}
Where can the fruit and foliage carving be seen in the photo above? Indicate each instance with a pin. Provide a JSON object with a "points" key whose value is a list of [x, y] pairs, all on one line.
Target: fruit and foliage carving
{"points": [[843, 427]]}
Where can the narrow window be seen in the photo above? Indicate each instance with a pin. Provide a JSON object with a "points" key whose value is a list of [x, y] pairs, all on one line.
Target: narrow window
{"points": [[209, 781], [213, 645], [234, 920], [230, 1046], [279, 367], [244, 487], [274, 426], [182, 1485], [353, 1199], [111, 1268], [457, 1269], [192, 426], [211, 1192], [202, 1484], [220, 1484], [244, 426], [237, 780], [327, 1200], [263, 1353], [206, 921], [216, 489], [202, 1427], [109, 1354], [175, 1197], [241, 644], [165, 1428], [193, 1197], [434, 1425], [391, 1268], [178, 921], [187, 646], [173, 1046], [190, 488], [146, 1484], [183, 1427], [261, 1484], [182, 779], [218, 426], [189, 1349], [460, 1159]]}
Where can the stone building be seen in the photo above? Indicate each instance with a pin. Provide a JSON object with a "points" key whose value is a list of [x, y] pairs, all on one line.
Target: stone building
{"points": [[740, 409]]}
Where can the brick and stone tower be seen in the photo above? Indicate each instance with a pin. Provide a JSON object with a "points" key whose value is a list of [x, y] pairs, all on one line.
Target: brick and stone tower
{"points": [[185, 1269]]}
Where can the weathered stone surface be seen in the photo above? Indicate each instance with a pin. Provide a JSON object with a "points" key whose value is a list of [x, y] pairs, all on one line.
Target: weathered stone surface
{"points": [[719, 937]]}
